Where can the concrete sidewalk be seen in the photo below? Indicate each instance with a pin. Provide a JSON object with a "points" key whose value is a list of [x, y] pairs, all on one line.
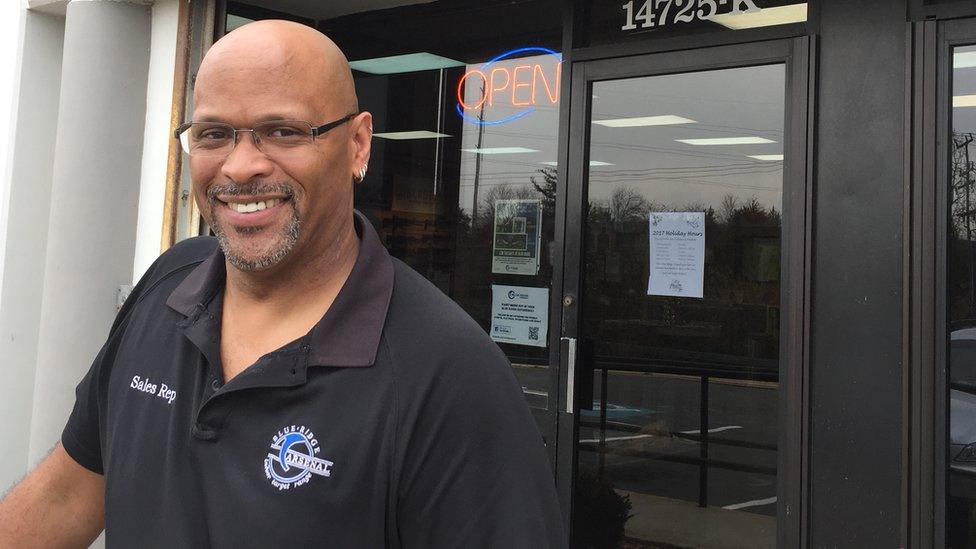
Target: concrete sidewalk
{"points": [[664, 523]]}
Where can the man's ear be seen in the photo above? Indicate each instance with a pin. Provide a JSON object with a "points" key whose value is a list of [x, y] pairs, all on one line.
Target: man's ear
{"points": [[362, 125]]}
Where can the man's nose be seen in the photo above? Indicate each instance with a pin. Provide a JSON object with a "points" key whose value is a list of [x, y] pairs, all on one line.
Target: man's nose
{"points": [[246, 161]]}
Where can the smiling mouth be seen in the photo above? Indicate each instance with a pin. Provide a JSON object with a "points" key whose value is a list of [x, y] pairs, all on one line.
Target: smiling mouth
{"points": [[249, 204], [250, 207]]}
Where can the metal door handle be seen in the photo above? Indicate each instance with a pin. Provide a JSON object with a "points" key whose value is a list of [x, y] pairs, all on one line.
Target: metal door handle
{"points": [[570, 372]]}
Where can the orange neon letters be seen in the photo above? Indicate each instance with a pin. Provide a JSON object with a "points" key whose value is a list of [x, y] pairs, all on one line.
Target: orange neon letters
{"points": [[521, 83], [494, 88], [460, 89], [552, 92], [516, 84]]}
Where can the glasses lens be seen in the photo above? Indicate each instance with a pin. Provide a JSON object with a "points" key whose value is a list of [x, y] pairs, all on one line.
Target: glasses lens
{"points": [[218, 139], [208, 139], [284, 133]]}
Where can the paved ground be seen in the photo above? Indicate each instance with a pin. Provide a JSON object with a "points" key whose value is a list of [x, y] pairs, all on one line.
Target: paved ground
{"points": [[666, 523]]}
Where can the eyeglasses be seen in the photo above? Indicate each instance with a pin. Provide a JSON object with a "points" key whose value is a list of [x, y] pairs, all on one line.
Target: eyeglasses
{"points": [[272, 137]]}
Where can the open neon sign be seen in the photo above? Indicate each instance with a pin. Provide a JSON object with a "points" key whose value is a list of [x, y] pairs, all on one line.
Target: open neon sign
{"points": [[522, 86]]}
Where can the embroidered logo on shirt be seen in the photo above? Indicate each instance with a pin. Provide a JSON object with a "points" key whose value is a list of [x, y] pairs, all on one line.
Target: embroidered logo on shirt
{"points": [[157, 389], [293, 461]]}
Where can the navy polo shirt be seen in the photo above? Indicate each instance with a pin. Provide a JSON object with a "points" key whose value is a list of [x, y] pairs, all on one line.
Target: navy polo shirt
{"points": [[395, 422]]}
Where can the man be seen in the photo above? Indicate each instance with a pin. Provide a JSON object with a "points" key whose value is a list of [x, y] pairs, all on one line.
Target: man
{"points": [[294, 385]]}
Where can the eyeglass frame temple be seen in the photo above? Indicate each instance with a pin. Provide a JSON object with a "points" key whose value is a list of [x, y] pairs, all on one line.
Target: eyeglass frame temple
{"points": [[326, 127], [181, 128]]}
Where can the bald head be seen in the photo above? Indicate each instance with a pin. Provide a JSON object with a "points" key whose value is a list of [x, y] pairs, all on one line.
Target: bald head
{"points": [[267, 55]]}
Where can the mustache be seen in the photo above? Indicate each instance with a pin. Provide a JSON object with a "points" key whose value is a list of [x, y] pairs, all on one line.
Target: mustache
{"points": [[236, 189]]}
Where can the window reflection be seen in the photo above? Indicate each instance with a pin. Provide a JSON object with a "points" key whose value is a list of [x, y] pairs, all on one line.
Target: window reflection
{"points": [[679, 433], [961, 304]]}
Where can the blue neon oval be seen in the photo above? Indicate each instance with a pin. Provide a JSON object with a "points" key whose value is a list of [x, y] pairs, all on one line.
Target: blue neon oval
{"points": [[530, 49], [510, 118]]}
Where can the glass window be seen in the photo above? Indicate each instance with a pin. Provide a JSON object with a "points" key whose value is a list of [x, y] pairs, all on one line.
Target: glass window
{"points": [[615, 21], [961, 303], [681, 311]]}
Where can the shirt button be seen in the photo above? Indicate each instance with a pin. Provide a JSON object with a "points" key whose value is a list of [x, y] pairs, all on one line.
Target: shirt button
{"points": [[203, 432], [214, 384]]}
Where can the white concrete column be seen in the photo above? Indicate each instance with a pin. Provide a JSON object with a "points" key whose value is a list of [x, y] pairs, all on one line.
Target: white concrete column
{"points": [[25, 196], [158, 134], [94, 198]]}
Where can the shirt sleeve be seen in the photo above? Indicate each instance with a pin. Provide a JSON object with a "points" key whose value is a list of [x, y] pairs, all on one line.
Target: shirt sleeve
{"points": [[82, 435], [474, 471]]}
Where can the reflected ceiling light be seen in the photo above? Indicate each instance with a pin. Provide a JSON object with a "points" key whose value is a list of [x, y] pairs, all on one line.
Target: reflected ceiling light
{"points": [[726, 141], [500, 150], [592, 163], [964, 100], [235, 21], [964, 60], [767, 157], [418, 134], [410, 62], [765, 17], [664, 120]]}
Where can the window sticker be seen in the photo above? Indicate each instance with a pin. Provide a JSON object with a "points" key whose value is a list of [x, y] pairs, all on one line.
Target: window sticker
{"points": [[519, 315], [517, 237], [677, 254]]}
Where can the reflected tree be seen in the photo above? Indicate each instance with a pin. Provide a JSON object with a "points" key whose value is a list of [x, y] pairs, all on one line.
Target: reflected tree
{"points": [[961, 271], [626, 204], [962, 177]]}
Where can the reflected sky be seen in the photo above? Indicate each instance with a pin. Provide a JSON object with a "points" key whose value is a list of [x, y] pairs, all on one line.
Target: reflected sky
{"points": [[732, 103]]}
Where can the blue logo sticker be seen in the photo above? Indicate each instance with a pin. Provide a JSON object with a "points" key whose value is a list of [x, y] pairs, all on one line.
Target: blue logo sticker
{"points": [[292, 461]]}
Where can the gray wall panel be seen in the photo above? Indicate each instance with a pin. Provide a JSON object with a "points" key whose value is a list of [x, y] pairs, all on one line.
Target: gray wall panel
{"points": [[857, 312]]}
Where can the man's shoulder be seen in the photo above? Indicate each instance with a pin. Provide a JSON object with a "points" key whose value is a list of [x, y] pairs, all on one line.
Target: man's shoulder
{"points": [[423, 309], [429, 332], [173, 265]]}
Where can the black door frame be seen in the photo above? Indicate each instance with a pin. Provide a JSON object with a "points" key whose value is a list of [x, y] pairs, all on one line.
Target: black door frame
{"points": [[797, 55]]}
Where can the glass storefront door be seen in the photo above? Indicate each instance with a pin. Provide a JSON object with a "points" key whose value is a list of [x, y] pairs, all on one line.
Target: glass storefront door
{"points": [[679, 405]]}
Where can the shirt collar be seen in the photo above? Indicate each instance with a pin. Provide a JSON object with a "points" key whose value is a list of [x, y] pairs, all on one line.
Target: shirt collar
{"points": [[348, 335]]}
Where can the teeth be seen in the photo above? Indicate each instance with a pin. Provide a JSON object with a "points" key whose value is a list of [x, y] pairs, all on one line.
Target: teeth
{"points": [[254, 206]]}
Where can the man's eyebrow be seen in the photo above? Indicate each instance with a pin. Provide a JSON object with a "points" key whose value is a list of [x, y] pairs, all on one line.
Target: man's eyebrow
{"points": [[266, 118], [273, 117], [207, 119]]}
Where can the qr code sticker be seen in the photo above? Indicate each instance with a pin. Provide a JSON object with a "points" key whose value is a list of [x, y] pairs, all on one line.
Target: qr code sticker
{"points": [[534, 332]]}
